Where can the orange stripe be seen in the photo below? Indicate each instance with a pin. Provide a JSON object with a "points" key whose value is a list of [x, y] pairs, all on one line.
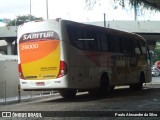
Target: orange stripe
{"points": [[44, 48]]}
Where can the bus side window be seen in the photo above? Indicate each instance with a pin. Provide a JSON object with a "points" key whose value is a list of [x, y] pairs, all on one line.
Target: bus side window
{"points": [[137, 47], [122, 45], [90, 39], [126, 46], [80, 37], [145, 51], [113, 44], [99, 46], [129, 46], [75, 36], [86, 42], [93, 40], [116, 44], [143, 47], [104, 42]]}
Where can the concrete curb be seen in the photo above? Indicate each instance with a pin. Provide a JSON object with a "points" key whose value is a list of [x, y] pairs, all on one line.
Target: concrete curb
{"points": [[27, 99]]}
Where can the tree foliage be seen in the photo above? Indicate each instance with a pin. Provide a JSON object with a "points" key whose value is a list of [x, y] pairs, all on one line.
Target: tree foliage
{"points": [[133, 3], [139, 5], [157, 52], [143, 3], [90, 3], [22, 19]]}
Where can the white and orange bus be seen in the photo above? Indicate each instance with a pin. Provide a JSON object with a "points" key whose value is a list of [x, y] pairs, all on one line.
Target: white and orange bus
{"points": [[69, 56]]}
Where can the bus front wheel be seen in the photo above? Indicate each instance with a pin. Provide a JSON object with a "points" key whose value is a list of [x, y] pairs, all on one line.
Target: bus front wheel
{"points": [[68, 93]]}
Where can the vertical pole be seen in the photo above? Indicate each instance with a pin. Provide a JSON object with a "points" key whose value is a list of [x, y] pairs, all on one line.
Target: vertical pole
{"points": [[30, 11], [47, 8], [30, 7], [5, 91], [135, 11], [104, 19], [9, 47], [19, 94], [15, 22]]}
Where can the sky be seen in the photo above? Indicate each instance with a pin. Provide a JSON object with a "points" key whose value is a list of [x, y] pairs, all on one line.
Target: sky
{"points": [[72, 10]]}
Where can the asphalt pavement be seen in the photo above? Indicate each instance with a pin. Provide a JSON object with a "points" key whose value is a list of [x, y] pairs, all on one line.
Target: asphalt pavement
{"points": [[155, 80]]}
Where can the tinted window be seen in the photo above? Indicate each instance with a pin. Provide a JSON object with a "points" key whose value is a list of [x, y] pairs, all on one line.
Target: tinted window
{"points": [[114, 44], [104, 42], [91, 39], [74, 35], [82, 38], [143, 47], [137, 47], [126, 46]]}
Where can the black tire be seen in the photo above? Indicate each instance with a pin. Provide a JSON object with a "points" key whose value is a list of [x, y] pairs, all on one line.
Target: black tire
{"points": [[111, 88], [68, 93], [141, 81], [138, 86], [104, 88]]}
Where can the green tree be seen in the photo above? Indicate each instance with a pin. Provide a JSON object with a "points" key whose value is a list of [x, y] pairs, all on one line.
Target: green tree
{"points": [[22, 19], [157, 52]]}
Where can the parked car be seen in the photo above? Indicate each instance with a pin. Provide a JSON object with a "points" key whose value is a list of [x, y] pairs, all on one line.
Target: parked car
{"points": [[155, 71]]}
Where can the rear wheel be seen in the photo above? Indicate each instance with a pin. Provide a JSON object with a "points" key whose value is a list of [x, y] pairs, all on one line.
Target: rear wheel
{"points": [[104, 88], [138, 86], [111, 88], [68, 93]]}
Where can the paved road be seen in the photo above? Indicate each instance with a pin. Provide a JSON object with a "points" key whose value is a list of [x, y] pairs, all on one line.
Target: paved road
{"points": [[121, 100]]}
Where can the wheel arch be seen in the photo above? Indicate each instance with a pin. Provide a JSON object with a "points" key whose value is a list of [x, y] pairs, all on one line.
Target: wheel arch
{"points": [[106, 74]]}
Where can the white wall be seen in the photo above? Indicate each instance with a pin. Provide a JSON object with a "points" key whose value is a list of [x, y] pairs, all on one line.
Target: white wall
{"points": [[9, 79]]}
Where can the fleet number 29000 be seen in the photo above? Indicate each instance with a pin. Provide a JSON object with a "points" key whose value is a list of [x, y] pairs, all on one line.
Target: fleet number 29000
{"points": [[27, 47]]}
